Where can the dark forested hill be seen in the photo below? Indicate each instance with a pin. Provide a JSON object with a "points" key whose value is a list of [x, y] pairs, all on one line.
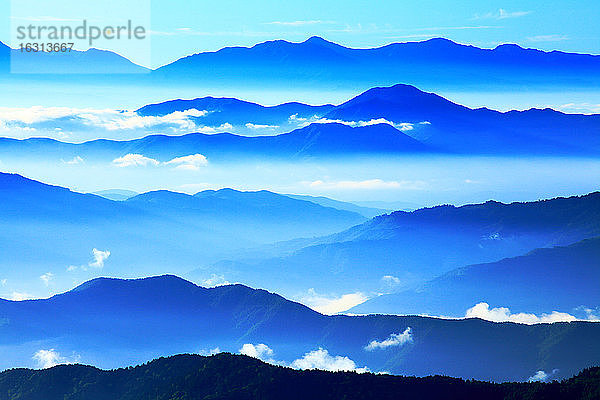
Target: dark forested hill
{"points": [[226, 376]]}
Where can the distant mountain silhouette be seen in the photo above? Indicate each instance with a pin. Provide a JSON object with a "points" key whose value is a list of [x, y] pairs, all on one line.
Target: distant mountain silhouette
{"points": [[368, 212], [435, 62], [315, 65], [316, 140], [91, 61], [263, 214], [116, 194], [48, 228], [564, 278], [414, 247], [167, 315], [228, 376]]}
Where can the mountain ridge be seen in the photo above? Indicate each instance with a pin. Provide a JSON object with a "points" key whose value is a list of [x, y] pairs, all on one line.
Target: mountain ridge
{"points": [[177, 316]]}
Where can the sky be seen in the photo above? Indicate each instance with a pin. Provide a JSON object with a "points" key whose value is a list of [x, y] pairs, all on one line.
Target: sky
{"points": [[178, 28]]}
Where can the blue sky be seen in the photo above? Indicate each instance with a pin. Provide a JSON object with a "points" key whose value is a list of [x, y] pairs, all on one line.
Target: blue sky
{"points": [[183, 27]]}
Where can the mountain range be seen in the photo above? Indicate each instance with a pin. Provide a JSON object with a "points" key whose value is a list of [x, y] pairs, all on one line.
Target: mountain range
{"points": [[283, 71], [435, 61], [177, 316], [394, 120], [318, 61], [227, 376], [403, 250], [228, 235], [52, 229], [564, 277]]}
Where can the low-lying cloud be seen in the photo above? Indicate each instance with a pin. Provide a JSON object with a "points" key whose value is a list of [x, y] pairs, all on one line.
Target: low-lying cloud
{"points": [[50, 358], [260, 351], [502, 314], [329, 305], [321, 359], [394, 340], [192, 162], [250, 125], [134, 160], [214, 281], [79, 124], [315, 359], [20, 296], [402, 126], [542, 376]]}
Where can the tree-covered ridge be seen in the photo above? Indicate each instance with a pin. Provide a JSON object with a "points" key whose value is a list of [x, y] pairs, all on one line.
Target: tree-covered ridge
{"points": [[227, 376]]}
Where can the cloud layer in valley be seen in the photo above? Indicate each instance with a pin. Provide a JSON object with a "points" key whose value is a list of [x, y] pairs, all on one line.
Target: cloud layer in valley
{"points": [[503, 314], [315, 359], [192, 162], [332, 304], [80, 124]]}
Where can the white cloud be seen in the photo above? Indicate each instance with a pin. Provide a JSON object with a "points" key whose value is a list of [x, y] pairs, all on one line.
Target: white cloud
{"points": [[395, 339], [134, 160], [53, 121], [503, 314], [47, 277], [592, 315], [316, 359], [547, 38], [250, 125], [20, 296], [332, 304], [76, 160], [215, 280], [50, 358], [192, 162], [299, 23], [210, 352], [502, 14], [579, 108], [99, 258], [321, 359], [390, 280], [542, 376], [402, 126], [100, 118], [260, 351], [296, 118], [3, 282], [369, 184]]}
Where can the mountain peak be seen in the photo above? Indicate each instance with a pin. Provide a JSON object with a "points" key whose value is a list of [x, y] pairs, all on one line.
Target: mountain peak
{"points": [[318, 41], [106, 283], [508, 47], [439, 41], [398, 103]]}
